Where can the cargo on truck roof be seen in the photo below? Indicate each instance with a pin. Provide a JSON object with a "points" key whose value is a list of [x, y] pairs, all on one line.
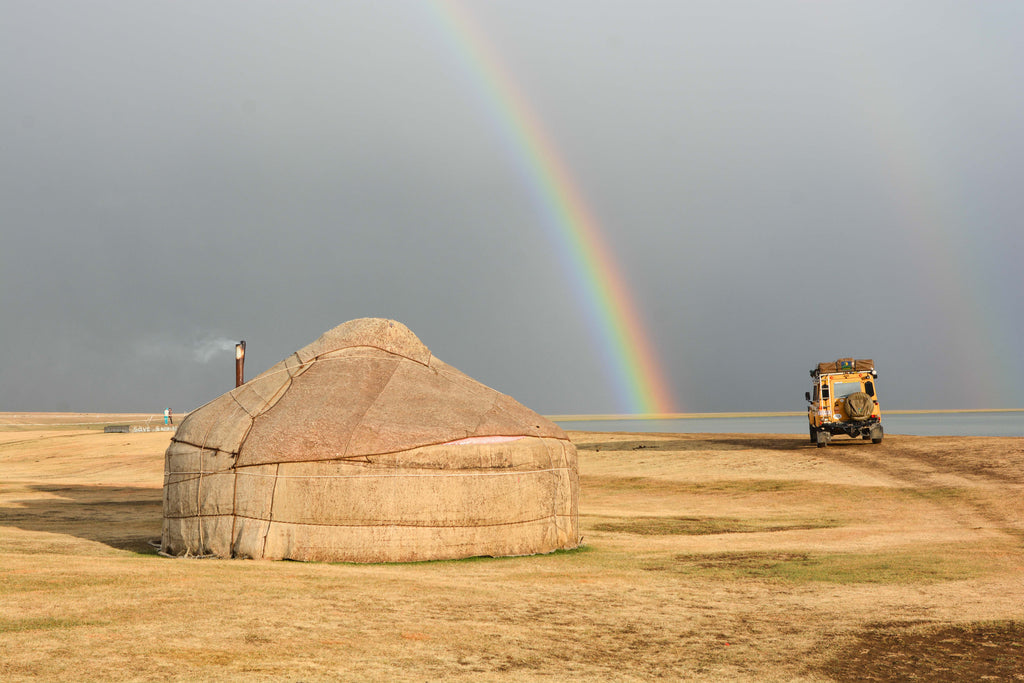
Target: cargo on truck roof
{"points": [[844, 365]]}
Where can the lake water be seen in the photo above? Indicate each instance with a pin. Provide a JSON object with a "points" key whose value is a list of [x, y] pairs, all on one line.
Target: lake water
{"points": [[928, 424]]}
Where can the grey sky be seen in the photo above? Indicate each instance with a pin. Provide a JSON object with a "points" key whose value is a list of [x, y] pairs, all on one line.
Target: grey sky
{"points": [[782, 183]]}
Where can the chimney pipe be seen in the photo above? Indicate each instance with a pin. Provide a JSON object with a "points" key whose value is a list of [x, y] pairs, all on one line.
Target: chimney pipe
{"points": [[240, 363]]}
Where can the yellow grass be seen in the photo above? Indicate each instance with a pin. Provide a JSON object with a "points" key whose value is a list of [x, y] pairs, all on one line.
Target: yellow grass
{"points": [[706, 557]]}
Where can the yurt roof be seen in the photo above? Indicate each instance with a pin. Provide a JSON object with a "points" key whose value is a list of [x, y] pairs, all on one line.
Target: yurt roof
{"points": [[366, 387]]}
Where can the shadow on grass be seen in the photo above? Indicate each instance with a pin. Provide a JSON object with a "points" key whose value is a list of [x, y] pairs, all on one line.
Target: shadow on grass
{"points": [[579, 550], [729, 442], [700, 526], [122, 517]]}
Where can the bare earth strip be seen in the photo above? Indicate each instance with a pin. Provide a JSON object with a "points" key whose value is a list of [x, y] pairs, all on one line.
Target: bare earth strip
{"points": [[706, 557]]}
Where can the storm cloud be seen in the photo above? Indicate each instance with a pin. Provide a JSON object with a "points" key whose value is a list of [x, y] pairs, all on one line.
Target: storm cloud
{"points": [[781, 183]]}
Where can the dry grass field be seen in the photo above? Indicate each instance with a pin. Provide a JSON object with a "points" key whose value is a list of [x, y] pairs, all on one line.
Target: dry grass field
{"points": [[705, 557]]}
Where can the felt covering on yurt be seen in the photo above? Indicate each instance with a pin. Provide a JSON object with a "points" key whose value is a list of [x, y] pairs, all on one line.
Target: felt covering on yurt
{"points": [[364, 447]]}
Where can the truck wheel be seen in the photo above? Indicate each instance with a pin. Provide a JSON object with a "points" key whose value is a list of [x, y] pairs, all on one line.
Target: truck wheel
{"points": [[876, 434], [814, 434]]}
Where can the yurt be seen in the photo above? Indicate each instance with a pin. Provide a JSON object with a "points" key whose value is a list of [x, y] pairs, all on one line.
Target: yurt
{"points": [[364, 447]]}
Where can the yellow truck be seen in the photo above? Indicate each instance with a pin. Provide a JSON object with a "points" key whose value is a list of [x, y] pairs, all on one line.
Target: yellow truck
{"points": [[844, 400]]}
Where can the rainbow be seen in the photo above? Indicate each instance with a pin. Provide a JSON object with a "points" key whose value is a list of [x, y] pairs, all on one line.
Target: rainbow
{"points": [[952, 272], [625, 344]]}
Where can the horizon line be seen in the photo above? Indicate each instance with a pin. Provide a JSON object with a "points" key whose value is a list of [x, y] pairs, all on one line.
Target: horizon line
{"points": [[606, 417], [793, 413]]}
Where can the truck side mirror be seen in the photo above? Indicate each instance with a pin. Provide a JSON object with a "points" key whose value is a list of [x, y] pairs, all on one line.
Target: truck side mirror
{"points": [[807, 396]]}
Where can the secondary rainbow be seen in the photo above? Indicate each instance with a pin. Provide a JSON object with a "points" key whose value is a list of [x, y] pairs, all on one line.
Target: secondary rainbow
{"points": [[955, 271], [626, 347]]}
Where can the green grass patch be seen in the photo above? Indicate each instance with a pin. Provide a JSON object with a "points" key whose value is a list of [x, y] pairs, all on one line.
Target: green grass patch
{"points": [[699, 526], [938, 494], [579, 550], [656, 485], [41, 624], [844, 568]]}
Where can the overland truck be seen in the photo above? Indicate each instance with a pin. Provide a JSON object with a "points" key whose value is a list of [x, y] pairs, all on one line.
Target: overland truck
{"points": [[843, 400]]}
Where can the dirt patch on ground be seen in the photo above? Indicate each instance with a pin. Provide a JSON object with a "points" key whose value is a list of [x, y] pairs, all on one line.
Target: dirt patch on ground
{"points": [[910, 652]]}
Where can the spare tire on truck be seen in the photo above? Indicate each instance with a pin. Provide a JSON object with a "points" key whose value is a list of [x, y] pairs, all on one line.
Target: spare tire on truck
{"points": [[859, 406]]}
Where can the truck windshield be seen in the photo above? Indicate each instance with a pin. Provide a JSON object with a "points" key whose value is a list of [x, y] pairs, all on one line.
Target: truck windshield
{"points": [[843, 389]]}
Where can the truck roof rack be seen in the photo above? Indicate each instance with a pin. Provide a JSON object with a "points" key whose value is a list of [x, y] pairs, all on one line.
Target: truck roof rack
{"points": [[844, 365]]}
